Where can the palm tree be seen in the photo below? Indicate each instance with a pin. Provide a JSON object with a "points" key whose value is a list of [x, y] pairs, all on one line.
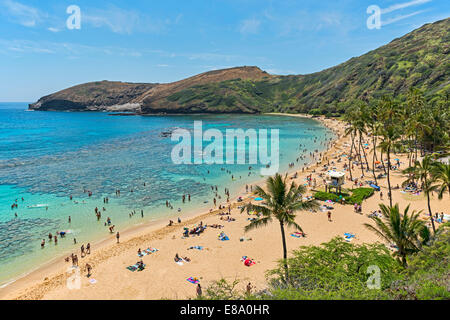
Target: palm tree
{"points": [[351, 130], [406, 231], [374, 127], [281, 201], [422, 172], [390, 136], [441, 174]]}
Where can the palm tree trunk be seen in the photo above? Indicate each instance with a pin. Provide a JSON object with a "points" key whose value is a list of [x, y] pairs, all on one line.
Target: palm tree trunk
{"points": [[373, 164], [388, 175], [364, 152], [374, 141], [350, 159], [283, 237], [359, 155], [382, 162], [429, 207]]}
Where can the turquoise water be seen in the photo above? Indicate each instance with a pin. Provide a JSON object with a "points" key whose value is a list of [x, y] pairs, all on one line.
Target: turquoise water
{"points": [[45, 157]]}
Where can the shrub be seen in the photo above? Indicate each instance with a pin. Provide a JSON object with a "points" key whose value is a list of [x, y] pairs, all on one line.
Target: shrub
{"points": [[359, 195], [324, 196]]}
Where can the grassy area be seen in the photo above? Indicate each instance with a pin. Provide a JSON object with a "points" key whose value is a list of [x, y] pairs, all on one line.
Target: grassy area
{"points": [[356, 196]]}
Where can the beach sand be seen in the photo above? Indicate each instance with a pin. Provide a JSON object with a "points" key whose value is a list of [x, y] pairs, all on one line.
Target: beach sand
{"points": [[165, 279]]}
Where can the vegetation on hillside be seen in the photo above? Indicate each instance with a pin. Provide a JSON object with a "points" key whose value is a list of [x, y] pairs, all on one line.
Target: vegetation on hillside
{"points": [[420, 59]]}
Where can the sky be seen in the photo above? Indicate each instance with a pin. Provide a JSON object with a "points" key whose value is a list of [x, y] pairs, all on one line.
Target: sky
{"points": [[42, 50]]}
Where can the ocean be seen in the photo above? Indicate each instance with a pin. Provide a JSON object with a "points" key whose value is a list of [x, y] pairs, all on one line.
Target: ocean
{"points": [[46, 157]]}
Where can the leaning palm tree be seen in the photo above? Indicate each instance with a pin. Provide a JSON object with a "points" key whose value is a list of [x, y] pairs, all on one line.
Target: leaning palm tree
{"points": [[422, 172], [441, 174], [281, 201], [406, 231]]}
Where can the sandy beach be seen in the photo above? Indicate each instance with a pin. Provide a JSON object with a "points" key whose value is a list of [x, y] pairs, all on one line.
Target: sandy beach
{"points": [[165, 279]]}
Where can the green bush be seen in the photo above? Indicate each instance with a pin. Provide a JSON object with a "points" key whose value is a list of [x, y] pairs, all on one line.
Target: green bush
{"points": [[324, 196], [359, 195]]}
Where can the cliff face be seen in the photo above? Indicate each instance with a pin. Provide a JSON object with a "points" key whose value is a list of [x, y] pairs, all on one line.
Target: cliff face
{"points": [[419, 59], [135, 97], [95, 96]]}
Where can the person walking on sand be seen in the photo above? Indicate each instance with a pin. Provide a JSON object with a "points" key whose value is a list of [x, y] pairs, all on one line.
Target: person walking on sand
{"points": [[88, 268], [249, 288], [88, 248], [329, 216], [199, 290], [117, 236]]}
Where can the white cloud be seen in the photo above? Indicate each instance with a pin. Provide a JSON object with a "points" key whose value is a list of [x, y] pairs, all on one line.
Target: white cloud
{"points": [[23, 14], [124, 21], [401, 17], [63, 48], [250, 26], [399, 6]]}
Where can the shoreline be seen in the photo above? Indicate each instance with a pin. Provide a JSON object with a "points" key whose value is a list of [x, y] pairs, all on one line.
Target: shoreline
{"points": [[50, 274]]}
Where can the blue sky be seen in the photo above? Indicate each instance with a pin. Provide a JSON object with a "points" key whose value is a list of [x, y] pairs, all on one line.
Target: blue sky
{"points": [[168, 40]]}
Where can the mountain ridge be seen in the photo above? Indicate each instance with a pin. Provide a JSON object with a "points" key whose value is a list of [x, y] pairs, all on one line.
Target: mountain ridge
{"points": [[419, 58]]}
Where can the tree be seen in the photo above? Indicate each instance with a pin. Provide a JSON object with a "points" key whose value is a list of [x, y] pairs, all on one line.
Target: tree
{"points": [[406, 231], [388, 143], [280, 202], [422, 172], [441, 174]]}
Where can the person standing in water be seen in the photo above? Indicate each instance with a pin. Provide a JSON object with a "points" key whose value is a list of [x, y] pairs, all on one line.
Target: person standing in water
{"points": [[117, 236]]}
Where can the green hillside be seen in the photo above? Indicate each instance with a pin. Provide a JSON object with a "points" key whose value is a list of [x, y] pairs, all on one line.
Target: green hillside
{"points": [[419, 59]]}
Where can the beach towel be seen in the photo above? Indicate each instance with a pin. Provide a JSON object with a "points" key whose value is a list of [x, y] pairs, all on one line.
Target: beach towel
{"points": [[197, 247], [349, 237], [375, 187], [247, 261], [92, 281], [135, 267], [143, 254], [193, 280], [151, 250], [296, 234], [223, 237], [180, 263]]}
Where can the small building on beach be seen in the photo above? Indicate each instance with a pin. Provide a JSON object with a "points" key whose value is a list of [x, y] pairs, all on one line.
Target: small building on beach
{"points": [[335, 179]]}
